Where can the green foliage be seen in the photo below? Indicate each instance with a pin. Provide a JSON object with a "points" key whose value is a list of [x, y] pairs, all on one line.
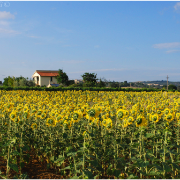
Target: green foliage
{"points": [[62, 78], [72, 88], [18, 81], [22, 82], [101, 84], [171, 87], [89, 79], [114, 84], [8, 81]]}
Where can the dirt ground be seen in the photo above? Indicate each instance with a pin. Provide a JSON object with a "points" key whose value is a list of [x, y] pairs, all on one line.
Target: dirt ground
{"points": [[35, 169]]}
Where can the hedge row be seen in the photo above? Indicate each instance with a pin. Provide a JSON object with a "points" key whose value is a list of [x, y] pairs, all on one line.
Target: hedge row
{"points": [[79, 88]]}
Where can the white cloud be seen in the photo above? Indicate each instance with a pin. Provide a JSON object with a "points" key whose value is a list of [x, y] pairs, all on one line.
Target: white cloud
{"points": [[7, 31], [177, 6], [6, 15], [172, 51], [167, 45], [4, 23]]}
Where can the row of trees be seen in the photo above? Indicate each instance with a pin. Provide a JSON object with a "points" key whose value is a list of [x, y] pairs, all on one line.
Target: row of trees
{"points": [[89, 80], [18, 81]]}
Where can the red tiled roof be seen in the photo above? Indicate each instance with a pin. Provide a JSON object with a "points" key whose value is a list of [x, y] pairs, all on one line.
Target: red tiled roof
{"points": [[48, 73]]}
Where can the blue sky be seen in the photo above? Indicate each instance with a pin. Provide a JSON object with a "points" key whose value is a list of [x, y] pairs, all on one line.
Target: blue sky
{"points": [[120, 40]]}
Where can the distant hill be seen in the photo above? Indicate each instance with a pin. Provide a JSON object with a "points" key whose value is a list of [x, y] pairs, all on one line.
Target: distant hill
{"points": [[162, 82]]}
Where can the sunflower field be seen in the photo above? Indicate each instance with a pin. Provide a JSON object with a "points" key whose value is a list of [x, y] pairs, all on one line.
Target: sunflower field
{"points": [[92, 135]]}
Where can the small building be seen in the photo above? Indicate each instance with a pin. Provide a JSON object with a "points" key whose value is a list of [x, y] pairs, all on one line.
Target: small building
{"points": [[45, 77], [77, 81]]}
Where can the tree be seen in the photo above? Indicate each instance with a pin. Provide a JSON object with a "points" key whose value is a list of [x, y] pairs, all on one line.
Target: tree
{"points": [[62, 78], [101, 84], [23, 82], [18, 81], [171, 87], [89, 79], [30, 83], [5, 83], [8, 81]]}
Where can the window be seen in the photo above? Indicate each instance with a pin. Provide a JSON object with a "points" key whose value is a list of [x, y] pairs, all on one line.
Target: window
{"points": [[51, 78]]}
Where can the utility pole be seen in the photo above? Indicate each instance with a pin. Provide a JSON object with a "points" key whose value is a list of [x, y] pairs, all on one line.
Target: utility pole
{"points": [[167, 82]]}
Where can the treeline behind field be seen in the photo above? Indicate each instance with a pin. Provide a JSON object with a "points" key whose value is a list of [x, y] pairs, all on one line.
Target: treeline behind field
{"points": [[26, 88]]}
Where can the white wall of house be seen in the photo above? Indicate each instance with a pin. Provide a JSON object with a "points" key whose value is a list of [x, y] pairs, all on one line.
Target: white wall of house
{"points": [[45, 80], [35, 75]]}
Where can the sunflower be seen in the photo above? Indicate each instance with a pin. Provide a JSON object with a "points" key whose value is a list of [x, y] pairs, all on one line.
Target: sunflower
{"points": [[107, 123], [33, 112], [13, 115], [169, 117], [126, 113], [178, 116], [93, 113], [26, 114], [50, 122], [130, 120], [97, 121], [38, 113], [120, 113], [67, 124], [159, 112], [125, 123], [134, 112], [43, 115], [59, 118], [34, 126], [166, 111], [141, 121], [16, 120], [76, 116], [155, 118], [52, 113]]}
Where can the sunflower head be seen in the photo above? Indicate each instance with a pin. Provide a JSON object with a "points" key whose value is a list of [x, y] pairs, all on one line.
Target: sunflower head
{"points": [[16, 120], [166, 111], [120, 114], [92, 112], [26, 114], [34, 126], [130, 119], [178, 116], [13, 115], [169, 117], [141, 121], [50, 122], [155, 118], [77, 115]]}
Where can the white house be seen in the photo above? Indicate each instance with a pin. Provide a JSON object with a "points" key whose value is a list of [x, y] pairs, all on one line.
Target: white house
{"points": [[77, 81], [45, 77]]}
